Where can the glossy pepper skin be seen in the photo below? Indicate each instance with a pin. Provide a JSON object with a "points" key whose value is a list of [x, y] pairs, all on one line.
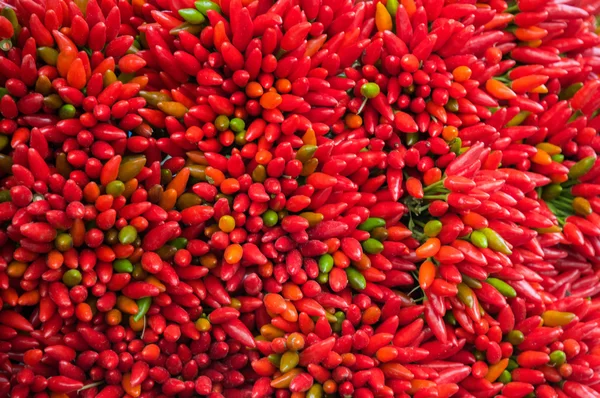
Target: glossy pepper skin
{"points": [[299, 198]]}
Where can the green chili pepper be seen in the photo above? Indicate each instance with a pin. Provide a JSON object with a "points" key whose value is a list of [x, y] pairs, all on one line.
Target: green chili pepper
{"points": [[143, 307], [452, 105], [188, 199], [450, 318], [237, 125], [412, 138], [115, 188], [275, 359], [479, 240], [204, 5], [154, 97], [433, 228], [72, 278], [10, 14], [323, 278], [270, 218], [186, 27], [380, 234], [471, 282], [339, 318], [504, 288], [456, 145], [127, 235], [306, 152], [192, 16], [53, 101], [505, 377], [5, 194], [222, 123], [512, 365], [580, 168], [179, 243], [48, 55], [67, 111], [392, 7], [289, 360], [123, 265], [518, 119], [371, 223], [316, 391], [325, 263], [496, 242], [370, 90], [557, 358], [480, 356], [130, 167], [63, 242], [570, 91], [466, 295], [356, 279], [240, 138], [372, 246], [515, 337], [551, 191]]}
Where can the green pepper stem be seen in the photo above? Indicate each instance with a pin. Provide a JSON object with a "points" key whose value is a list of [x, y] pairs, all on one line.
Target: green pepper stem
{"points": [[436, 197], [91, 385], [433, 186], [362, 106]]}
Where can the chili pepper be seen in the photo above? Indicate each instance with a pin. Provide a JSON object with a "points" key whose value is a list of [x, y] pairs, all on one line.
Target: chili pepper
{"points": [[62, 384]]}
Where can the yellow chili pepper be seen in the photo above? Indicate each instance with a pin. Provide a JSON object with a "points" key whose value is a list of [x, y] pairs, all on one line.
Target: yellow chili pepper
{"points": [[551, 149], [383, 19], [557, 318], [173, 108]]}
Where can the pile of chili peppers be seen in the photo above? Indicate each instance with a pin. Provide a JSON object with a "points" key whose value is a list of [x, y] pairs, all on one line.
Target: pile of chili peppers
{"points": [[299, 198]]}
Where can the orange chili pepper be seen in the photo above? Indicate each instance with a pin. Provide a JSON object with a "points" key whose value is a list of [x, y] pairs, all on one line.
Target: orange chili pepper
{"points": [[427, 272], [76, 76], [499, 90], [29, 298], [220, 35], [168, 199], [233, 253], [179, 182], [429, 248], [270, 100], [64, 61]]}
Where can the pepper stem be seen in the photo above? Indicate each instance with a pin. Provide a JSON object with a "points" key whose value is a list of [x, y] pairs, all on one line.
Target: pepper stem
{"points": [[362, 106], [92, 385], [433, 186], [436, 197]]}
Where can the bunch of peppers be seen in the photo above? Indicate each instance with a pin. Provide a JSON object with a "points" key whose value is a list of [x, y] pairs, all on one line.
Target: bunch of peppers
{"points": [[299, 198]]}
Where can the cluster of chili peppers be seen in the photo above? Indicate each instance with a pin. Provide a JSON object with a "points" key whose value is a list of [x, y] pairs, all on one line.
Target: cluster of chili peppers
{"points": [[299, 198]]}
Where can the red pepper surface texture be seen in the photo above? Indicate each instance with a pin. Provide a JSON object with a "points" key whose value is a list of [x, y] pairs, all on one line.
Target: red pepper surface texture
{"points": [[299, 198]]}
